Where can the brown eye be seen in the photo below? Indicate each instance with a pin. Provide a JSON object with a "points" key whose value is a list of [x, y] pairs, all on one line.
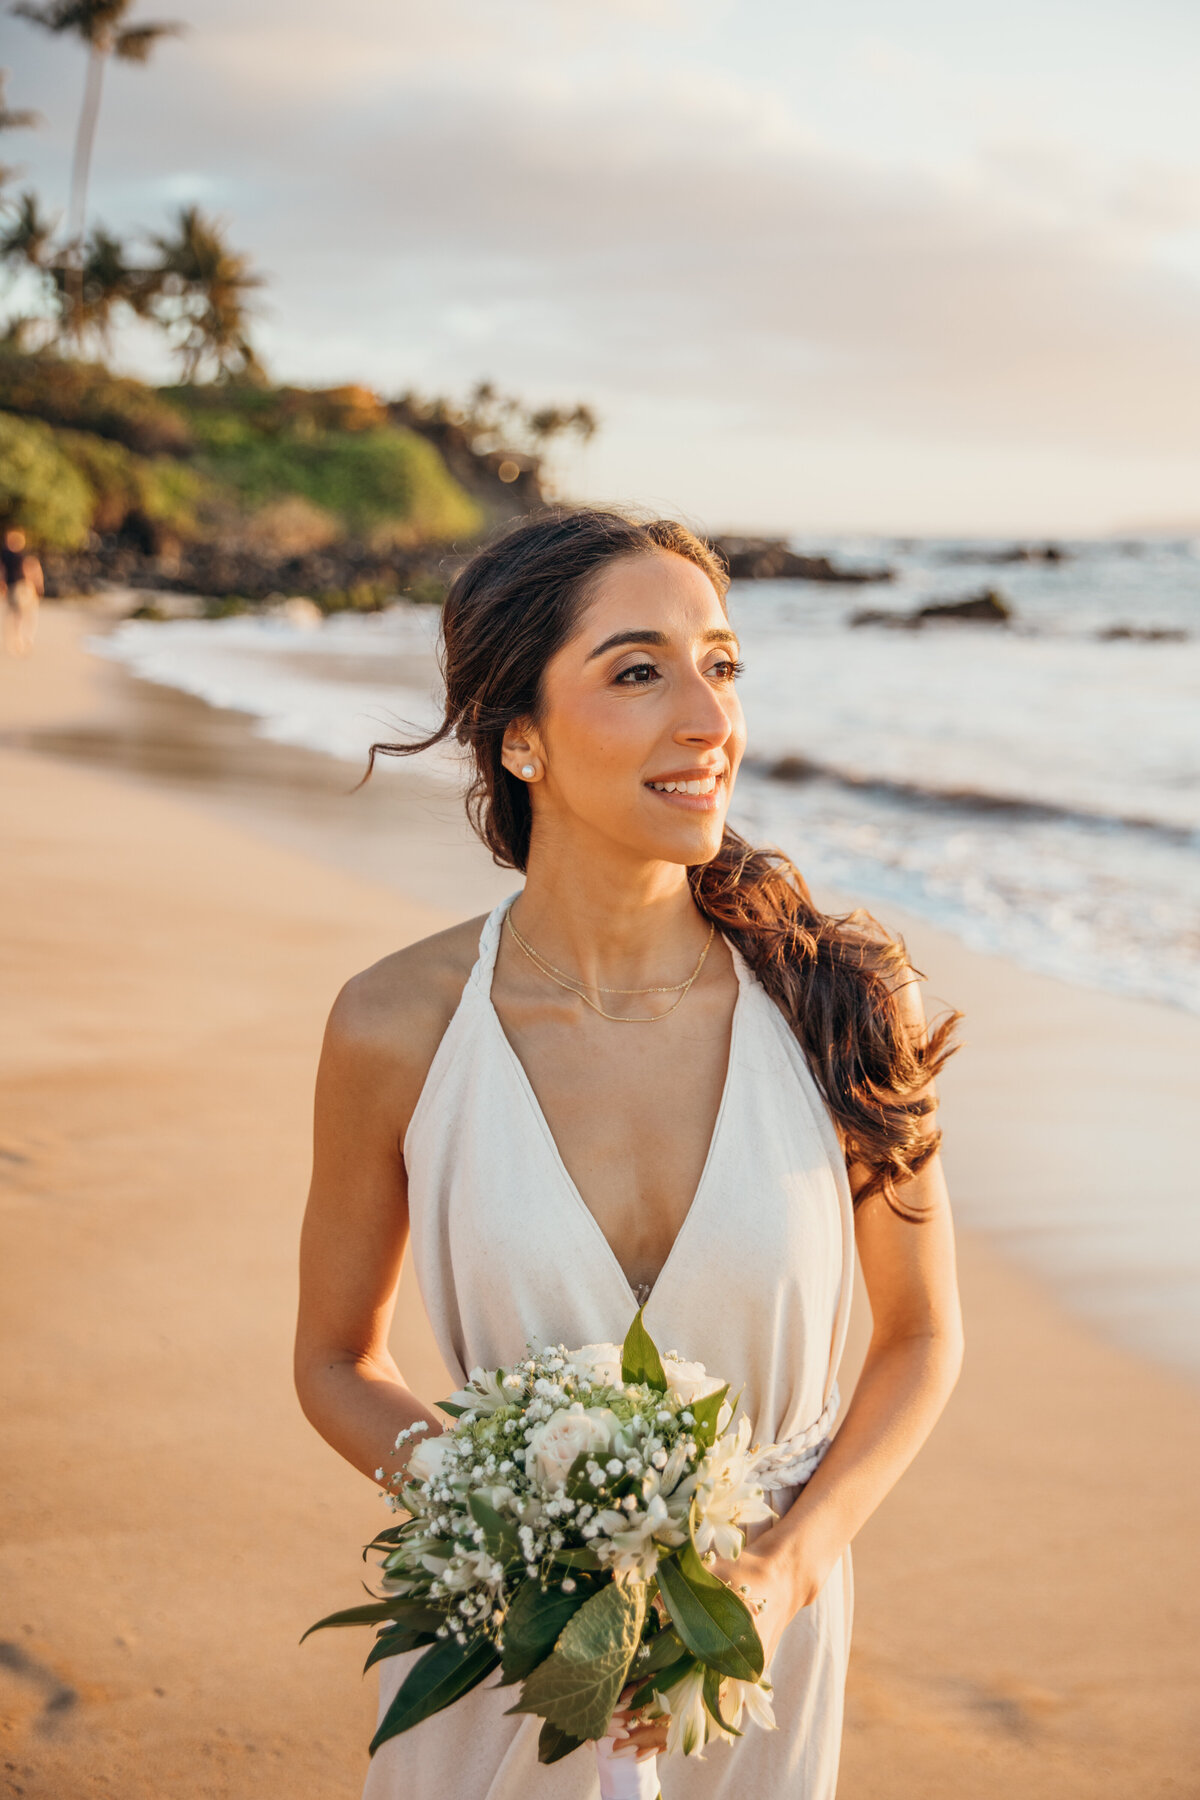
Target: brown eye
{"points": [[638, 675], [727, 670]]}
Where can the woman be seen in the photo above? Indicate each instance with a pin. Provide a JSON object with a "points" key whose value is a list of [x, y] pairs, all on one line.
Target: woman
{"points": [[658, 1076]]}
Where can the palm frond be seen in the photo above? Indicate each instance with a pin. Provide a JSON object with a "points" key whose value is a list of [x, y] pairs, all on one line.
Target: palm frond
{"points": [[136, 42]]}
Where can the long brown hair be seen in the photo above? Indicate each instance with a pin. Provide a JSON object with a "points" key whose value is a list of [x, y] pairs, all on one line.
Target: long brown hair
{"points": [[838, 981]]}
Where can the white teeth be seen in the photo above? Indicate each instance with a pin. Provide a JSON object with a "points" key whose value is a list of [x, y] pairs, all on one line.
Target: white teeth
{"points": [[707, 785]]}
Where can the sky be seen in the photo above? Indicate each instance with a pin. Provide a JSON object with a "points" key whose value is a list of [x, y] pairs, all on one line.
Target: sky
{"points": [[872, 268]]}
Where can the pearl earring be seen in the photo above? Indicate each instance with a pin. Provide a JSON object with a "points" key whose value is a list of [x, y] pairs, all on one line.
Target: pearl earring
{"points": [[528, 770]]}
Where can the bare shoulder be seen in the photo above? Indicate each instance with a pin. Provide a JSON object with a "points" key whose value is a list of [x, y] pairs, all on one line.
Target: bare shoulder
{"points": [[387, 1021]]}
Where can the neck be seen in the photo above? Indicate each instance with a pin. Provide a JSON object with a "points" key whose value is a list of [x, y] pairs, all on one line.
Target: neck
{"points": [[611, 924]]}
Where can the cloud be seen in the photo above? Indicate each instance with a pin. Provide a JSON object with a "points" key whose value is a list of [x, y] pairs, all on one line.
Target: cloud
{"points": [[577, 201]]}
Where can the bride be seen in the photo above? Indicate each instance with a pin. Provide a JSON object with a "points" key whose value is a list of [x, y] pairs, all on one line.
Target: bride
{"points": [[656, 1075]]}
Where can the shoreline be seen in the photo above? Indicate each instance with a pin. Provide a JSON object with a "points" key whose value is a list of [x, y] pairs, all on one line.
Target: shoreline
{"points": [[172, 1524], [1095, 1125]]}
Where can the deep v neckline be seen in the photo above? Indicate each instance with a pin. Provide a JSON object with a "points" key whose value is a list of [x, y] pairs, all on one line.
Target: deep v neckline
{"points": [[567, 1179]]}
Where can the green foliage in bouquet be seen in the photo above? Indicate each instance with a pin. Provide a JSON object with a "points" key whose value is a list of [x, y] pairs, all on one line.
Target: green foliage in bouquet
{"points": [[559, 1533]]}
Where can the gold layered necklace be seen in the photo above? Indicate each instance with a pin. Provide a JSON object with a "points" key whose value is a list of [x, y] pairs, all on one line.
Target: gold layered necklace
{"points": [[573, 985]]}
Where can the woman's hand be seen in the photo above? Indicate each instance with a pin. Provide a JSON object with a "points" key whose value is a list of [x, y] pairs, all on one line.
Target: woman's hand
{"points": [[775, 1588], [773, 1585]]}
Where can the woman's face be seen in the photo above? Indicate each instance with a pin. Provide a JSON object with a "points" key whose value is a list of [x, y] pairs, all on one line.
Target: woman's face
{"points": [[641, 730]]}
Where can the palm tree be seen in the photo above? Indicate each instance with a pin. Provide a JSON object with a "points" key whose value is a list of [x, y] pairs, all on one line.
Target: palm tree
{"points": [[30, 236], [12, 119], [551, 421], [92, 289], [101, 26], [27, 247], [200, 295]]}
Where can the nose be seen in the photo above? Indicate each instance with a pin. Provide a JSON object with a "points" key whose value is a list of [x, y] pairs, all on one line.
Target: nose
{"points": [[706, 715]]}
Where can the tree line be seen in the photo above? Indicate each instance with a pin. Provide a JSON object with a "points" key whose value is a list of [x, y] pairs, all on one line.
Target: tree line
{"points": [[72, 289], [77, 285]]}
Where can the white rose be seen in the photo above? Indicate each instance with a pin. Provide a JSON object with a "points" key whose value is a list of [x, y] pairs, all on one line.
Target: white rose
{"points": [[689, 1381], [425, 1462], [556, 1443], [601, 1362]]}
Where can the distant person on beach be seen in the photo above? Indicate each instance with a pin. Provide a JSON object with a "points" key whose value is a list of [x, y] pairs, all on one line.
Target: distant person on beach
{"points": [[24, 585], [718, 1169]]}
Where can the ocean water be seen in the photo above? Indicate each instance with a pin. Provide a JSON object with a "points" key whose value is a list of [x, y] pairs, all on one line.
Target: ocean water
{"points": [[1034, 788]]}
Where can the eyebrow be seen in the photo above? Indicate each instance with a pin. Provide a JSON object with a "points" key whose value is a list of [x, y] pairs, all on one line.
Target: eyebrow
{"points": [[720, 634]]}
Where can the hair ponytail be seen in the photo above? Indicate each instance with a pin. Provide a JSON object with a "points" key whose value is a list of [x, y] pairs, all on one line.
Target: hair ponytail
{"points": [[837, 981]]}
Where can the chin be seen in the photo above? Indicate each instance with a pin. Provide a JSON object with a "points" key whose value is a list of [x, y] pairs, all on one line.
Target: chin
{"points": [[690, 846]]}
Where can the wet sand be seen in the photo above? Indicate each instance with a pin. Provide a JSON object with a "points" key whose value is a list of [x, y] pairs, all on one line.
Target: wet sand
{"points": [[1027, 1614]]}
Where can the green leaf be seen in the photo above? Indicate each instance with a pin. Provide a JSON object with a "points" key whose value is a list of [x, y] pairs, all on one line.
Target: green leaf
{"points": [[532, 1625], [554, 1744], [669, 1676], [388, 1540], [713, 1622], [578, 1684], [451, 1407], [706, 1413], [499, 1534], [640, 1360], [664, 1649], [397, 1641], [582, 1558], [375, 1614], [712, 1700], [579, 1482], [444, 1674]]}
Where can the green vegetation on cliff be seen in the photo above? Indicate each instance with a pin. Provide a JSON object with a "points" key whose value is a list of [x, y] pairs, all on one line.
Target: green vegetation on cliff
{"points": [[40, 487], [84, 452]]}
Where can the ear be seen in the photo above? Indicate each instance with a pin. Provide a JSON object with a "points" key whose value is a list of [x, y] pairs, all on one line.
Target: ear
{"points": [[521, 751]]}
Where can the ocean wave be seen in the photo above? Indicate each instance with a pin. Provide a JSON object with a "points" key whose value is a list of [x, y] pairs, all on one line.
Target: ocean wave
{"points": [[978, 801]]}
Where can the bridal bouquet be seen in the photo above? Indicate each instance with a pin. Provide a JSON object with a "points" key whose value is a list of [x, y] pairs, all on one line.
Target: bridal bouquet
{"points": [[559, 1532]]}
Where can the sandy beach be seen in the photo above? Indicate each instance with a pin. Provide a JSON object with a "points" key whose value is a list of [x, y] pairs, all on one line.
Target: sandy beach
{"points": [[180, 903]]}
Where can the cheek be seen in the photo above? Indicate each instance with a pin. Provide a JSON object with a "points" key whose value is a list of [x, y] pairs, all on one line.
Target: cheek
{"points": [[598, 743]]}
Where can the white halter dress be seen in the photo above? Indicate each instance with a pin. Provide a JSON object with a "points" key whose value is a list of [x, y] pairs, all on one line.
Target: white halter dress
{"points": [[757, 1287]]}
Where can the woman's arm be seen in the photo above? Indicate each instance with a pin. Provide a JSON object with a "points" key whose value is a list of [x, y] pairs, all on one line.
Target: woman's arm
{"points": [[911, 1366], [379, 1042]]}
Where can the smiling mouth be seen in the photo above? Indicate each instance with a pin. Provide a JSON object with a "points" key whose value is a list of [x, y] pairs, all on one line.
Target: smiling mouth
{"points": [[693, 790]]}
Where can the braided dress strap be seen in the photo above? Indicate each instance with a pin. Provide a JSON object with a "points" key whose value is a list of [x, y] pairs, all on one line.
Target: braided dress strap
{"points": [[793, 1462]]}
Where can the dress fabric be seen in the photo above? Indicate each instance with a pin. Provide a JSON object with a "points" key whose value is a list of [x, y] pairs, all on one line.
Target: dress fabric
{"points": [[757, 1286]]}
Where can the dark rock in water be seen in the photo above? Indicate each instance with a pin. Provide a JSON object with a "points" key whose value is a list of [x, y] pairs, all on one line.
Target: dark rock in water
{"points": [[1142, 634], [770, 559], [341, 577], [892, 621], [794, 768], [1010, 553], [986, 608]]}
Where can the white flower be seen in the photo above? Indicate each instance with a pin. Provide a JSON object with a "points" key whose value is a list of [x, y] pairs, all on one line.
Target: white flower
{"points": [[684, 1701], [753, 1697], [554, 1445], [470, 1569], [689, 1381], [630, 1546], [601, 1363], [426, 1460], [485, 1392], [728, 1497]]}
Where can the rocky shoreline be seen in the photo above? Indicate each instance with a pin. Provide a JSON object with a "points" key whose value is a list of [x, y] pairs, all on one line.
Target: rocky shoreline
{"points": [[771, 559]]}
